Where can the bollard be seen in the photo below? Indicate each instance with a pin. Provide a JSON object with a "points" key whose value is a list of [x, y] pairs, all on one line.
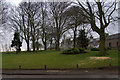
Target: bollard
{"points": [[110, 65], [45, 67], [19, 67], [77, 66]]}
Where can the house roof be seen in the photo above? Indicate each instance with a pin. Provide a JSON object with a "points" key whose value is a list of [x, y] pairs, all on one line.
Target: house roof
{"points": [[114, 36]]}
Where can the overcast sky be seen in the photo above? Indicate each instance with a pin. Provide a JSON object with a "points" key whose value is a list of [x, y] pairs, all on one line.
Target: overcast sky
{"points": [[14, 2]]}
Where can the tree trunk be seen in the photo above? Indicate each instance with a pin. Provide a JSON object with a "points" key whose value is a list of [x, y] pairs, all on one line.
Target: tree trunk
{"points": [[37, 48], [102, 43], [74, 40], [58, 44], [33, 41], [37, 45], [28, 49], [45, 46], [45, 41], [51, 44]]}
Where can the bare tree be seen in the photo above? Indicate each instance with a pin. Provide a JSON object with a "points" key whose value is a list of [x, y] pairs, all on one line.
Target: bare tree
{"points": [[44, 26], [99, 15], [3, 17], [57, 10], [34, 21], [19, 21], [3, 12], [75, 20], [25, 19], [25, 27]]}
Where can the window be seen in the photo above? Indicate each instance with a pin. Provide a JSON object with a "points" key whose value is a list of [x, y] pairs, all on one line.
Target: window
{"points": [[117, 44], [110, 44]]}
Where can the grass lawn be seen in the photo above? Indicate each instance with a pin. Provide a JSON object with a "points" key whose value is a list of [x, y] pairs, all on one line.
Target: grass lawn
{"points": [[54, 59]]}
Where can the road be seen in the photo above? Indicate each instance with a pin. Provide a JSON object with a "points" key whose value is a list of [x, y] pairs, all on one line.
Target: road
{"points": [[72, 74], [60, 76]]}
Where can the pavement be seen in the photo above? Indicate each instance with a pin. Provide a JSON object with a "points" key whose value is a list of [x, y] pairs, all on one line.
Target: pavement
{"points": [[104, 73]]}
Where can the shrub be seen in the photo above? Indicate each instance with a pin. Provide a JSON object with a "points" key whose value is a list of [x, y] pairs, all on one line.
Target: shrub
{"points": [[94, 49], [73, 51], [81, 50], [108, 48]]}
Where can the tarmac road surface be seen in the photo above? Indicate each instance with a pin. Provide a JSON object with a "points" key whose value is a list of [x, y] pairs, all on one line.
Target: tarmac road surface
{"points": [[60, 76], [46, 74]]}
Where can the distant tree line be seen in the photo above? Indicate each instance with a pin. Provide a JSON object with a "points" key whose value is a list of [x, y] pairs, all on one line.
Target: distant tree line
{"points": [[36, 21]]}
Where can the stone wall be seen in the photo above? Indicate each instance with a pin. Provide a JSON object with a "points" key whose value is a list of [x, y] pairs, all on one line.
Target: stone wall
{"points": [[113, 43]]}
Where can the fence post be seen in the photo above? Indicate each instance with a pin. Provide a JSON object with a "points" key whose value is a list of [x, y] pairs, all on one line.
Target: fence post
{"points": [[77, 66], [19, 67], [45, 66], [110, 65]]}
